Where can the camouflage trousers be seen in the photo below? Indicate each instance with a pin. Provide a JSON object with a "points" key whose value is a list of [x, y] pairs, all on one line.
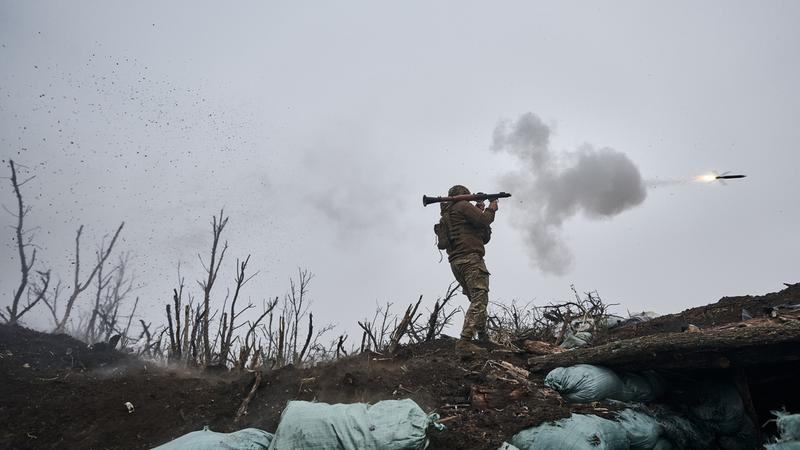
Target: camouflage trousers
{"points": [[471, 274]]}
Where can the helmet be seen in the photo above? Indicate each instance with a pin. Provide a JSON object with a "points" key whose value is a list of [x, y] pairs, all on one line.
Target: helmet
{"points": [[458, 190]]}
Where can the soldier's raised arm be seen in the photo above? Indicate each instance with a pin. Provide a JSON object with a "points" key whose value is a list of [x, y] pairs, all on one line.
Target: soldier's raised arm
{"points": [[475, 216]]}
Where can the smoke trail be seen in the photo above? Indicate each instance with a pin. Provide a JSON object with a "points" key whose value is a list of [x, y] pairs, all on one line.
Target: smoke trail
{"points": [[554, 186]]}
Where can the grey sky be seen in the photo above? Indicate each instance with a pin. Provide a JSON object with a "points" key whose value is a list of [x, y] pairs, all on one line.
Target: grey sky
{"points": [[319, 125]]}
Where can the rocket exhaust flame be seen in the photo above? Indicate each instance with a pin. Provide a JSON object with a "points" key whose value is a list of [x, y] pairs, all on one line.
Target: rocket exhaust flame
{"points": [[707, 178], [713, 176]]}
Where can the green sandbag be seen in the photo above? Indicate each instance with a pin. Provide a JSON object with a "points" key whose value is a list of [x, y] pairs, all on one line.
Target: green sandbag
{"points": [[246, 439], [788, 425], [789, 431], [681, 432], [643, 387], [744, 439], [642, 429], [663, 444], [577, 432], [577, 340], [584, 383], [720, 406], [790, 445], [386, 425]]}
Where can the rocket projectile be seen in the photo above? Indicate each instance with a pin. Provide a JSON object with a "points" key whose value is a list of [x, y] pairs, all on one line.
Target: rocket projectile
{"points": [[714, 176]]}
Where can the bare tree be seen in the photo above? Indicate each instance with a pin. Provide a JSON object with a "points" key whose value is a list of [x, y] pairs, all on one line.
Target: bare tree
{"points": [[24, 239], [439, 318], [90, 334], [340, 346], [212, 270], [125, 335], [588, 309], [515, 321], [79, 286], [229, 325], [178, 337], [112, 290], [318, 352], [249, 345], [298, 293], [191, 356], [551, 322], [407, 321], [378, 329], [283, 343]]}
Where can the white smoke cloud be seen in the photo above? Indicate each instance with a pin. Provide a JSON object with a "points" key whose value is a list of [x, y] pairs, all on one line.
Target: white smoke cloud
{"points": [[554, 186]]}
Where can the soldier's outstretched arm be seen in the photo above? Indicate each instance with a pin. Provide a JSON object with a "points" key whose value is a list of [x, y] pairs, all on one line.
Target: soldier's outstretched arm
{"points": [[475, 215]]}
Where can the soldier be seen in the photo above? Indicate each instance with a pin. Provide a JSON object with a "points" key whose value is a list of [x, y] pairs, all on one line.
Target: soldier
{"points": [[468, 230]]}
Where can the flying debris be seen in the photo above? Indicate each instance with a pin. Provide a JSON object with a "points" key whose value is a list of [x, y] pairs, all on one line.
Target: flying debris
{"points": [[713, 176]]}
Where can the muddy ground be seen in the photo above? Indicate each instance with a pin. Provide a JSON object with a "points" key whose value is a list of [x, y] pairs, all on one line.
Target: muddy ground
{"points": [[724, 311], [55, 392]]}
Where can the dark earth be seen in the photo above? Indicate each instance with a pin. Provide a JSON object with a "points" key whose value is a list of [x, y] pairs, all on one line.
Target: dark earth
{"points": [[726, 310], [56, 392]]}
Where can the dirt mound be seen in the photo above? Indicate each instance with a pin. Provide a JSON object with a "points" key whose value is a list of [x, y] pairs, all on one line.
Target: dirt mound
{"points": [[52, 352], [58, 393], [726, 310]]}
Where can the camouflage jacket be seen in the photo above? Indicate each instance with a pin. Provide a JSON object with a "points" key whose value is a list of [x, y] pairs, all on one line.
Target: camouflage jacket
{"points": [[469, 229]]}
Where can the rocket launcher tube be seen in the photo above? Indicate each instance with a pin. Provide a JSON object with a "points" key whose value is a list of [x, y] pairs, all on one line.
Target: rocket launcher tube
{"points": [[478, 197]]}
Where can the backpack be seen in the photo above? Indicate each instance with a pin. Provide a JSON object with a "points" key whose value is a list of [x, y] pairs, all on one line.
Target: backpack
{"points": [[442, 230]]}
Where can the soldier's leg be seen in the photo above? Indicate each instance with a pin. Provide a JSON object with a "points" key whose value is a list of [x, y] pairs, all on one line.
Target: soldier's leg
{"points": [[475, 320], [477, 279], [459, 266], [468, 330], [481, 316]]}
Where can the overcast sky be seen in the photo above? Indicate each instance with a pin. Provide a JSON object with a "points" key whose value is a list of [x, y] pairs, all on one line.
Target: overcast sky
{"points": [[318, 126]]}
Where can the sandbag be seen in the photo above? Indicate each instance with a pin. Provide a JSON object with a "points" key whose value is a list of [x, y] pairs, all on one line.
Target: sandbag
{"points": [[246, 439], [788, 425], [641, 387], [636, 319], [720, 406], [584, 383], [663, 444], [790, 445], [577, 340], [577, 432], [611, 321], [745, 438], [580, 325], [681, 432], [643, 430], [788, 430], [386, 425]]}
